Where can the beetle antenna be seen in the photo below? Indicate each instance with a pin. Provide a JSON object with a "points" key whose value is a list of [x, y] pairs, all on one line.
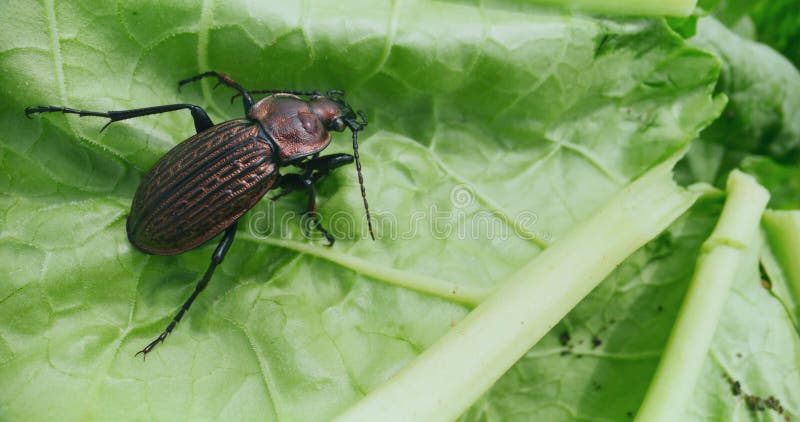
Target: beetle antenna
{"points": [[355, 127]]}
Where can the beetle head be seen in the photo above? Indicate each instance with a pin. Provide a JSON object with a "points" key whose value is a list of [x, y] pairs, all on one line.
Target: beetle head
{"points": [[337, 115]]}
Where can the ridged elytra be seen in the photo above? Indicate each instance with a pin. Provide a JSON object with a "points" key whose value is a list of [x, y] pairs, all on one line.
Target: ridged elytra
{"points": [[202, 186]]}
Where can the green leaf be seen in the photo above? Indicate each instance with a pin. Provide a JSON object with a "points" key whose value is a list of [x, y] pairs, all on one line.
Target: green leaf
{"points": [[493, 132], [678, 8], [783, 181], [778, 25], [763, 114], [772, 22]]}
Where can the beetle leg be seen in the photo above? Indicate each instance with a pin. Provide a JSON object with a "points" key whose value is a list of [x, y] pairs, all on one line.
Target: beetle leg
{"points": [[312, 213], [216, 259], [281, 91], [291, 182], [285, 91], [287, 183], [201, 119], [319, 167], [247, 100], [314, 168]]}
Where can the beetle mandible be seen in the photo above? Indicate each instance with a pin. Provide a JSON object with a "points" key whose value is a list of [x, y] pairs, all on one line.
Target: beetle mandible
{"points": [[202, 186]]}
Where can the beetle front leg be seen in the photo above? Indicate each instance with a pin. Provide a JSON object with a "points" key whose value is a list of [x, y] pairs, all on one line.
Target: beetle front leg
{"points": [[318, 167], [312, 213], [314, 169], [216, 259], [201, 119], [291, 182]]}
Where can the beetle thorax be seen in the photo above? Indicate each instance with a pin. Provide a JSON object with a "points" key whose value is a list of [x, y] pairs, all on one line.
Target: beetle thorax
{"points": [[296, 129]]}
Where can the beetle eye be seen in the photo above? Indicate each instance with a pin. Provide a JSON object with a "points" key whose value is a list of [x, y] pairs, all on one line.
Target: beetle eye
{"points": [[337, 124]]}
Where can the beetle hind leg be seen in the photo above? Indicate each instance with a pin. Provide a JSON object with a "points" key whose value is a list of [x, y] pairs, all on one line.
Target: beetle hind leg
{"points": [[201, 119], [216, 259]]}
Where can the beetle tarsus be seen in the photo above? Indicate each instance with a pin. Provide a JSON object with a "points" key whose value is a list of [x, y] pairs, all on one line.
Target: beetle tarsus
{"points": [[65, 110], [150, 346], [317, 225]]}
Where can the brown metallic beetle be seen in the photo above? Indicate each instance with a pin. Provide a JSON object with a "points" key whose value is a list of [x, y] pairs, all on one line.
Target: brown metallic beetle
{"points": [[202, 186]]}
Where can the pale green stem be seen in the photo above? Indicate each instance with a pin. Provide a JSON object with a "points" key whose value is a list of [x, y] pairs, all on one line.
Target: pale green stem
{"points": [[450, 375], [697, 320], [783, 232], [677, 8]]}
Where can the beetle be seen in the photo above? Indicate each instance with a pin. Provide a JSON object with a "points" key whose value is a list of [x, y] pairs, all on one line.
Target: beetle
{"points": [[205, 184]]}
